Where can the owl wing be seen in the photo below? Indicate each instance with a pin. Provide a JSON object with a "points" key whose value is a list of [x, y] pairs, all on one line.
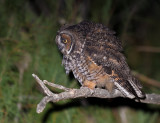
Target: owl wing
{"points": [[104, 51]]}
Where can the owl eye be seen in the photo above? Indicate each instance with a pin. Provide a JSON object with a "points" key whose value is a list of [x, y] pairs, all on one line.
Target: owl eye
{"points": [[65, 41]]}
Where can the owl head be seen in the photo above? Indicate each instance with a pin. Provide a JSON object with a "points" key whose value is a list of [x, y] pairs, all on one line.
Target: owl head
{"points": [[71, 37], [64, 40]]}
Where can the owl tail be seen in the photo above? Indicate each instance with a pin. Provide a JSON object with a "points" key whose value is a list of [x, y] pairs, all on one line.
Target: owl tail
{"points": [[130, 88], [137, 87]]}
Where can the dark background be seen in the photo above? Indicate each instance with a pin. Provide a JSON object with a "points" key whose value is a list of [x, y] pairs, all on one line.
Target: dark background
{"points": [[27, 45]]}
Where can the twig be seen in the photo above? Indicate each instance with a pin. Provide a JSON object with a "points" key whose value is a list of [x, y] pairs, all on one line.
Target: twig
{"points": [[82, 92], [148, 49], [8, 39], [146, 79], [45, 89], [56, 85]]}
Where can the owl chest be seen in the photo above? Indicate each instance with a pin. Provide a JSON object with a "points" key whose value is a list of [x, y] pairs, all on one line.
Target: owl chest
{"points": [[79, 67], [84, 69]]}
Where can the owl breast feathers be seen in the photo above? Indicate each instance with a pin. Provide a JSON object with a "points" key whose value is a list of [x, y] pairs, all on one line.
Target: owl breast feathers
{"points": [[93, 53]]}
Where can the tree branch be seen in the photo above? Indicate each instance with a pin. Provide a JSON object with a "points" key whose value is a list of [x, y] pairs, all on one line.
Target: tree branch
{"points": [[82, 92], [146, 79]]}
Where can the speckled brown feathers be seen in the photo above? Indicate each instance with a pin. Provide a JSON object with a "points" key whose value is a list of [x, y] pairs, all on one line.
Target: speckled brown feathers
{"points": [[93, 53]]}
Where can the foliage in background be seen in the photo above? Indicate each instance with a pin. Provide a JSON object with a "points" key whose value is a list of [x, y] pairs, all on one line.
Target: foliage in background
{"points": [[27, 33]]}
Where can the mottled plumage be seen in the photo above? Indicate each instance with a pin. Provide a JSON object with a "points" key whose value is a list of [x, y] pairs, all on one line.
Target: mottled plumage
{"points": [[93, 53]]}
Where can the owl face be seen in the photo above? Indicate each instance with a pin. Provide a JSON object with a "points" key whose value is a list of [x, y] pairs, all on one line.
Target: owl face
{"points": [[65, 41]]}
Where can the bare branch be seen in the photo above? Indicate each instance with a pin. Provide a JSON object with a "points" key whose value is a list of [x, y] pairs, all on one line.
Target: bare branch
{"points": [[148, 49], [82, 92], [56, 85], [45, 89], [146, 79]]}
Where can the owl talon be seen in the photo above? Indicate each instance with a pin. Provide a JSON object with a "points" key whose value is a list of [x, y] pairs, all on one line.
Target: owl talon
{"points": [[92, 91]]}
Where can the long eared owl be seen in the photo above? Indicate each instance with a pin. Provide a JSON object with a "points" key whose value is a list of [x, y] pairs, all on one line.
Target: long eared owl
{"points": [[94, 54]]}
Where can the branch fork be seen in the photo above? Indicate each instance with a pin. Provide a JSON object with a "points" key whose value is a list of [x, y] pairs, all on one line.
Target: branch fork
{"points": [[82, 92]]}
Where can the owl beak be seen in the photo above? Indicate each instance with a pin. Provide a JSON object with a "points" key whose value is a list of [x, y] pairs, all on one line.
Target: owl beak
{"points": [[58, 42], [57, 39]]}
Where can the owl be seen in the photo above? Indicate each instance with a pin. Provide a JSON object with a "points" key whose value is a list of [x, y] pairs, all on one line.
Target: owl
{"points": [[94, 54]]}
